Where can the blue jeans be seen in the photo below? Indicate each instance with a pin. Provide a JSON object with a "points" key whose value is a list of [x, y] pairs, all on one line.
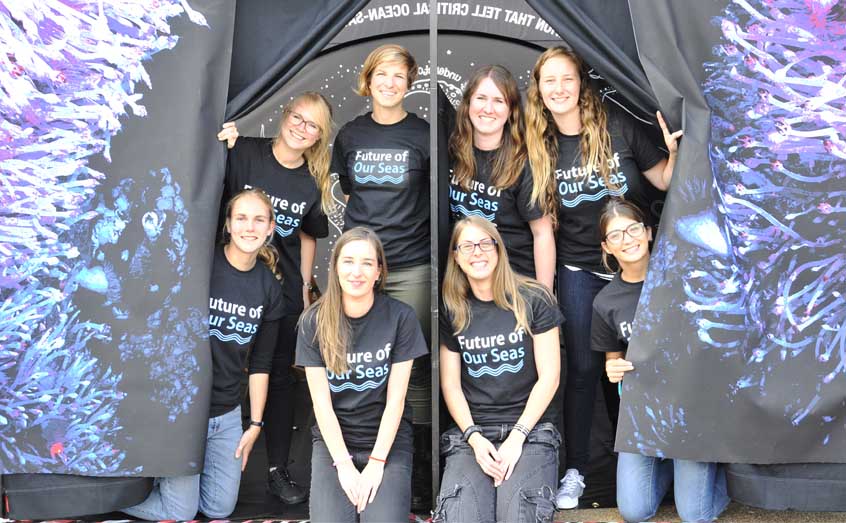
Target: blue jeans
{"points": [[328, 503], [576, 291], [468, 494], [642, 481], [214, 491]]}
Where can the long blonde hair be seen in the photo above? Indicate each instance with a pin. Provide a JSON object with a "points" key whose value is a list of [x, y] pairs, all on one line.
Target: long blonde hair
{"points": [[542, 132], [332, 332], [510, 158], [267, 253], [317, 156], [387, 53], [508, 286]]}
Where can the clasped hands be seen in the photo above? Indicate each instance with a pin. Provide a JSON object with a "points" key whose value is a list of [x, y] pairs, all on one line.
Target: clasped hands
{"points": [[497, 463]]}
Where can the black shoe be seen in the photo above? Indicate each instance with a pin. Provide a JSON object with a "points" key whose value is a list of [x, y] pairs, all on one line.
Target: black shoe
{"points": [[280, 484]]}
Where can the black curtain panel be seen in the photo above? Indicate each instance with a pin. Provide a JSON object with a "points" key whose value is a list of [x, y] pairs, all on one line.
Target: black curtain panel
{"points": [[274, 40], [738, 345]]}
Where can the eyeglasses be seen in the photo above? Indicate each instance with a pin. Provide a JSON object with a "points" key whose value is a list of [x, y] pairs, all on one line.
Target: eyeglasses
{"points": [[297, 120], [616, 236], [468, 248]]}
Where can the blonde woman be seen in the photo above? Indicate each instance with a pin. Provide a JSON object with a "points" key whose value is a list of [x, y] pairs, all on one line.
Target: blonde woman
{"points": [[490, 175], [581, 155], [293, 169], [245, 304], [499, 373], [382, 161], [357, 346]]}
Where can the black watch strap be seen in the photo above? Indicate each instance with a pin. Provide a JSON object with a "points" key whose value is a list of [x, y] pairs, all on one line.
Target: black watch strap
{"points": [[255, 423], [469, 431]]}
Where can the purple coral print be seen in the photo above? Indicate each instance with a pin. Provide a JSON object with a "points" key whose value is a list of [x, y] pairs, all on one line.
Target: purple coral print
{"points": [[69, 70], [765, 284]]}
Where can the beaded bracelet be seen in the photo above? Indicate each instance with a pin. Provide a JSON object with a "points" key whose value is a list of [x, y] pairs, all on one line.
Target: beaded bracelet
{"points": [[336, 463], [522, 429], [374, 458]]}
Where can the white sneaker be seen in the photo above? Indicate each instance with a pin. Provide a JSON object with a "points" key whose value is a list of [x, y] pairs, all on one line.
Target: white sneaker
{"points": [[572, 486]]}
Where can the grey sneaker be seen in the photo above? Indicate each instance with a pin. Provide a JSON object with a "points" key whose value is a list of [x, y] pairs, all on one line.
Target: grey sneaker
{"points": [[572, 487]]}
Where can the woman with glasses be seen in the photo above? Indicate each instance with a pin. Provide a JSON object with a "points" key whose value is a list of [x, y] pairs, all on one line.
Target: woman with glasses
{"points": [[293, 169], [642, 481], [581, 154], [499, 372], [357, 346], [490, 176]]}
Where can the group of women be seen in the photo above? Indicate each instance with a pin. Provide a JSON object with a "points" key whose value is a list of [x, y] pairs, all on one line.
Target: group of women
{"points": [[537, 193]]}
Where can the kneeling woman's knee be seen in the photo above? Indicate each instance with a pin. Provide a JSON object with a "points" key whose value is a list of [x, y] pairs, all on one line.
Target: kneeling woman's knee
{"points": [[218, 508]]}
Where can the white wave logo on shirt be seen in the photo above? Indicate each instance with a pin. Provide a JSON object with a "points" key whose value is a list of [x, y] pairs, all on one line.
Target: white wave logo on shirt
{"points": [[229, 321], [488, 356], [479, 199], [576, 185], [365, 371], [381, 167]]}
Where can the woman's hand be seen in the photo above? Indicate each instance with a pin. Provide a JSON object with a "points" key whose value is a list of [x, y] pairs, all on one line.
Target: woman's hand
{"points": [[616, 368], [487, 457], [510, 452], [371, 478], [350, 479], [245, 446], [671, 140], [229, 133]]}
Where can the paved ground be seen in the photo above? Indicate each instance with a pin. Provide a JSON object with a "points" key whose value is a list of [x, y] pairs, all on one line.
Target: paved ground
{"points": [[735, 513]]}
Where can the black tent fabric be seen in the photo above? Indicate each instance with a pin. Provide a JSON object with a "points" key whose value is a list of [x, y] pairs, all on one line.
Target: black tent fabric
{"points": [[274, 40], [738, 343]]}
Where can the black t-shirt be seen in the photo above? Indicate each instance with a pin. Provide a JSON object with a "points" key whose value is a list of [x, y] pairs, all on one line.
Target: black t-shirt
{"points": [[581, 197], [613, 315], [389, 333], [385, 171], [498, 367], [240, 302], [509, 209], [295, 196]]}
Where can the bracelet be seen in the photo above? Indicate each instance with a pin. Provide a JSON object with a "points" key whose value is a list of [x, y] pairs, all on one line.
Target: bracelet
{"points": [[344, 460], [308, 285], [522, 429], [374, 458], [254, 423], [469, 431]]}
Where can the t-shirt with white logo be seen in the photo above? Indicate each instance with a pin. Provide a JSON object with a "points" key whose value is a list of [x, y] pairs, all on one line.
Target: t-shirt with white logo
{"points": [[581, 194], [239, 303], [509, 209], [498, 369], [389, 333], [385, 171], [613, 315], [296, 198]]}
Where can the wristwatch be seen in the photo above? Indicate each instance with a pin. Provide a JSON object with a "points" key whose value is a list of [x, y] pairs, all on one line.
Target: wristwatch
{"points": [[255, 423], [469, 431]]}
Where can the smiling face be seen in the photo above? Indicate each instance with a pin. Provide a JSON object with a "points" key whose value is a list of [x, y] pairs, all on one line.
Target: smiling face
{"points": [[249, 224], [300, 129], [633, 248], [388, 84], [358, 268], [478, 265], [488, 111], [559, 84]]}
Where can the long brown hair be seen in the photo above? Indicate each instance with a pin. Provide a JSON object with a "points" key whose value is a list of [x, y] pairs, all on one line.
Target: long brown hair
{"points": [[332, 332], [317, 156], [613, 208], [510, 158], [542, 132], [267, 253], [508, 286]]}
